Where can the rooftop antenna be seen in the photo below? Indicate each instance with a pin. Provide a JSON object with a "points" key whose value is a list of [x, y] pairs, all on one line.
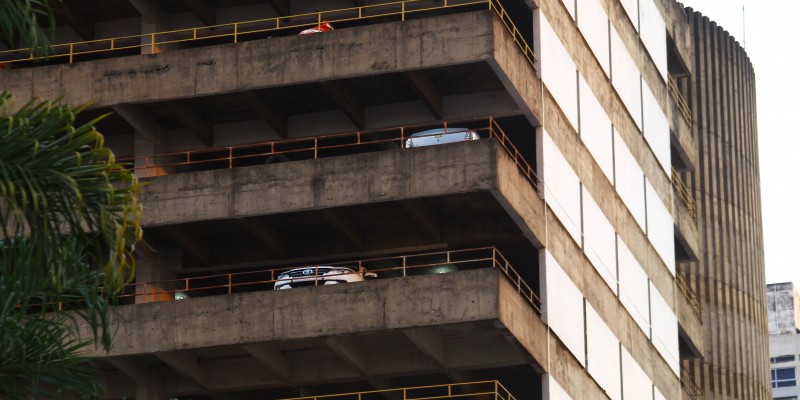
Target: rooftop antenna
{"points": [[744, 33]]}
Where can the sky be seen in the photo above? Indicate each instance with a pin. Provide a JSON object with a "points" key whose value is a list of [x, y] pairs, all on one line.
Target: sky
{"points": [[769, 32]]}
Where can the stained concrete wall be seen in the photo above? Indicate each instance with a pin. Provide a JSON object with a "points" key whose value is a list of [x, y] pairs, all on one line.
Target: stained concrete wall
{"points": [[321, 183], [783, 305], [427, 42]]}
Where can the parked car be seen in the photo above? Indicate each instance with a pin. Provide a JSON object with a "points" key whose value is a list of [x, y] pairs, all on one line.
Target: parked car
{"points": [[322, 27], [441, 136], [320, 275]]}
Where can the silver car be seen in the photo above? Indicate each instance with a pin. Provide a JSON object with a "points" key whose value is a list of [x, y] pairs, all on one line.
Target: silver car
{"points": [[441, 136], [318, 276]]}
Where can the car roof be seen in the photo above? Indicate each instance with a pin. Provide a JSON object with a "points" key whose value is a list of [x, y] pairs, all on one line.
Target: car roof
{"points": [[440, 131]]}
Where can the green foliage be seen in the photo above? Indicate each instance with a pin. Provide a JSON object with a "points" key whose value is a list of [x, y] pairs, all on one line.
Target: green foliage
{"points": [[69, 220], [19, 18]]}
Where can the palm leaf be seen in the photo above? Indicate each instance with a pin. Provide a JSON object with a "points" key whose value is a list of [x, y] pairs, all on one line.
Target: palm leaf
{"points": [[69, 220]]}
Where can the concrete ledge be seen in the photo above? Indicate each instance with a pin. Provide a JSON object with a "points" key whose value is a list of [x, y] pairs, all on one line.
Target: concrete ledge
{"points": [[307, 312], [322, 183], [392, 47]]}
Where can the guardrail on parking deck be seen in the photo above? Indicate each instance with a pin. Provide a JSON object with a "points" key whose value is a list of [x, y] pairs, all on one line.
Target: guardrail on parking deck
{"points": [[483, 390], [237, 31], [689, 387], [687, 291], [402, 266], [683, 107], [684, 194], [317, 147]]}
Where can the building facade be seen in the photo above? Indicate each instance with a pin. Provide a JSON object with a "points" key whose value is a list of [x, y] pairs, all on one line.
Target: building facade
{"points": [[784, 341], [561, 256]]}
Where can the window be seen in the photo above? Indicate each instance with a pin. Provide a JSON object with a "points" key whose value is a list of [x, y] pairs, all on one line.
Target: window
{"points": [[781, 359], [783, 377]]}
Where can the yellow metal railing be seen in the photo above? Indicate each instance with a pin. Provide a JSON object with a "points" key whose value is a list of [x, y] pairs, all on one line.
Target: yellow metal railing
{"points": [[687, 291], [237, 30], [683, 193], [483, 390], [680, 101]]}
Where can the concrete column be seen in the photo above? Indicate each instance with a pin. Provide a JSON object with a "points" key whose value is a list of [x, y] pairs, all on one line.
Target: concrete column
{"points": [[148, 140], [154, 390], [154, 19], [153, 273]]}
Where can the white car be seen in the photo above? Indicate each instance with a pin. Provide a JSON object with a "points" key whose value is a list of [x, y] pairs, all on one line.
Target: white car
{"points": [[318, 276], [441, 136]]}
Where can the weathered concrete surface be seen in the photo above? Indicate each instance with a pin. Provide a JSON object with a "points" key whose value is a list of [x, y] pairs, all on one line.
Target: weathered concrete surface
{"points": [[394, 47], [322, 183], [783, 304], [678, 29], [267, 316]]}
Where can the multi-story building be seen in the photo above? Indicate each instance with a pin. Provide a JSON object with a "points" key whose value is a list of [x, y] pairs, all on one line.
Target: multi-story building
{"points": [[784, 341], [561, 255]]}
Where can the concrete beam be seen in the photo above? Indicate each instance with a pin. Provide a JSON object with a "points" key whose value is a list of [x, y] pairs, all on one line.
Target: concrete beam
{"points": [[186, 364], [422, 214], [269, 355], [346, 101], [348, 348], [150, 11], [282, 7], [267, 111], [193, 119], [266, 235], [191, 243], [204, 10], [341, 221], [76, 20], [426, 90], [141, 120], [135, 369]]}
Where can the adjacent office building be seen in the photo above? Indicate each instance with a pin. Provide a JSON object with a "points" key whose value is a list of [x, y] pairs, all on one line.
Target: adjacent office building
{"points": [[601, 240], [784, 341]]}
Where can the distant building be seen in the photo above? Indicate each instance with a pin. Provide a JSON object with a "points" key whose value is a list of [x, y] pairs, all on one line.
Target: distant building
{"points": [[784, 341]]}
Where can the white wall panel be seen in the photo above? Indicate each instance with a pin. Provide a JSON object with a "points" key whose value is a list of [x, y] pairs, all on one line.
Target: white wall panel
{"points": [[602, 350], [636, 384], [657, 394], [596, 129], [660, 227], [562, 187], [551, 390], [633, 287], [665, 330], [654, 34], [599, 241], [562, 307], [656, 129], [626, 78], [629, 181], [593, 23], [557, 70], [632, 9]]}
